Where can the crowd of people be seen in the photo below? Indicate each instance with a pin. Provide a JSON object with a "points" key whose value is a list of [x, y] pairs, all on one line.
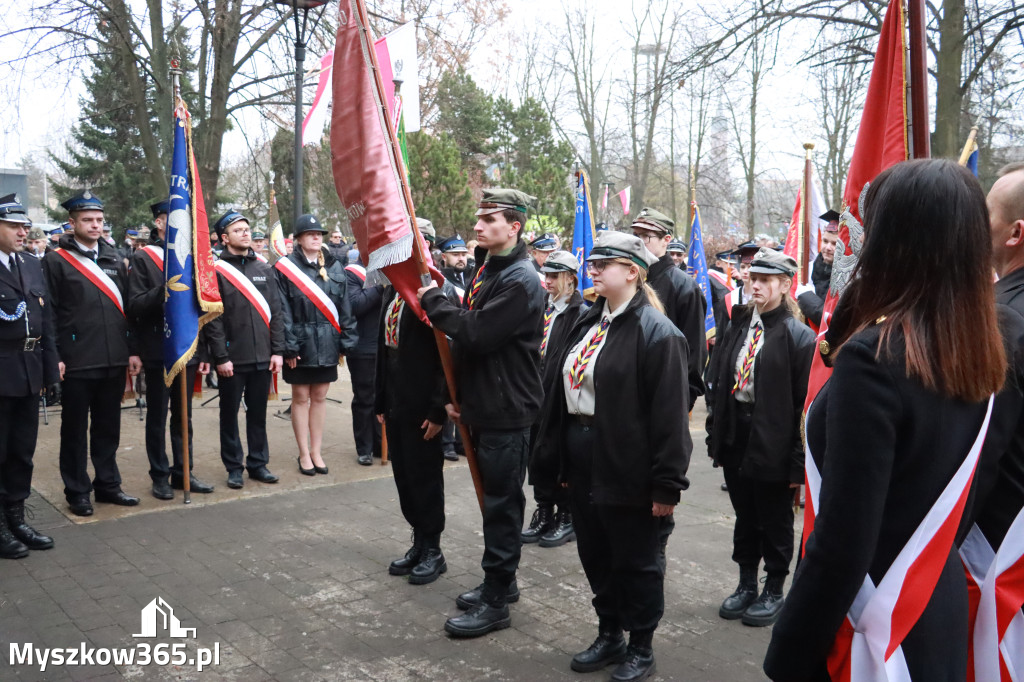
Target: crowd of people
{"points": [[915, 441]]}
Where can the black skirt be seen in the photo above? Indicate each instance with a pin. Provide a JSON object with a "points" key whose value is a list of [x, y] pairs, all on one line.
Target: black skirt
{"points": [[310, 375]]}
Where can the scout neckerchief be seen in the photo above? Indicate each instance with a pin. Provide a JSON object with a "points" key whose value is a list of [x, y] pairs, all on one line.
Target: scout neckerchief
{"points": [[743, 377], [579, 365], [391, 321], [478, 280]]}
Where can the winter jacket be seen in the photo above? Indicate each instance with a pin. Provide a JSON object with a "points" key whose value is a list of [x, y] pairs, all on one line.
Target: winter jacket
{"points": [[686, 307], [365, 304]]}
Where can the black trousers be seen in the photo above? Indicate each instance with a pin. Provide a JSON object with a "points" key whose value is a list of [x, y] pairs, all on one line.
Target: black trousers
{"points": [[91, 426], [365, 427], [254, 384], [501, 456], [451, 437], [764, 522], [19, 427], [158, 399], [619, 546], [418, 466]]}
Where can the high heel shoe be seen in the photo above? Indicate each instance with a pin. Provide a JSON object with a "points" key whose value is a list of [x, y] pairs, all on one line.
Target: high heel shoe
{"points": [[320, 470], [305, 472]]}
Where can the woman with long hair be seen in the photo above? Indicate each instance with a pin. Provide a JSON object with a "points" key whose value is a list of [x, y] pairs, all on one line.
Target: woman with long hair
{"points": [[319, 328], [549, 528], [895, 434], [616, 422]]}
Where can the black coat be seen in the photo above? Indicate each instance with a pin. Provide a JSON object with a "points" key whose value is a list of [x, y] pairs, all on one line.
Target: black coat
{"points": [[240, 334], [26, 373], [460, 279], [686, 307], [144, 306], [410, 384], [719, 292], [366, 305], [775, 450], [812, 303], [641, 421], [91, 332], [308, 334], [497, 344], [886, 447]]}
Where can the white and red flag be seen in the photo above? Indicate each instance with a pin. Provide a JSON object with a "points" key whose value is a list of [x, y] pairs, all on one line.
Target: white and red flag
{"points": [[316, 119], [624, 196]]}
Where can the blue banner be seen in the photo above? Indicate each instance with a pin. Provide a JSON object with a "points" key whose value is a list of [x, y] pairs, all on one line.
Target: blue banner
{"points": [[972, 161], [181, 307], [697, 267], [583, 233]]}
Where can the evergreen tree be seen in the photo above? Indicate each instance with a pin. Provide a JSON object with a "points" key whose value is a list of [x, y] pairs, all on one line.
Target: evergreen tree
{"points": [[282, 161], [440, 184], [466, 114]]}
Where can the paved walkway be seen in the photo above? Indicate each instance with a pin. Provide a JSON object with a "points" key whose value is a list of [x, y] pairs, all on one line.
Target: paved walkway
{"points": [[291, 584]]}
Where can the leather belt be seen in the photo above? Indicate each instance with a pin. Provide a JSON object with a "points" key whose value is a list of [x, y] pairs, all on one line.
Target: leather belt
{"points": [[583, 419], [26, 345]]}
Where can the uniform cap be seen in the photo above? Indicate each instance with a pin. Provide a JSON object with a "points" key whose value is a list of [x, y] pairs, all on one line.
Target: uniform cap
{"points": [[561, 261], [144, 233], [308, 223], [36, 233], [453, 245], [495, 200], [227, 220], [677, 246], [259, 235], [132, 233], [744, 253], [545, 242], [611, 244], [83, 201], [66, 227], [771, 262], [160, 208], [656, 221], [12, 211], [726, 256], [426, 229]]}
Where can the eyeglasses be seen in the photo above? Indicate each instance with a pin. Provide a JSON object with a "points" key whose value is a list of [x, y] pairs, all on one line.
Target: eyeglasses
{"points": [[645, 235], [600, 265]]}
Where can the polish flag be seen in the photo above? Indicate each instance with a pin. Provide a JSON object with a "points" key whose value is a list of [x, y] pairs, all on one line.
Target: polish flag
{"points": [[316, 119], [624, 199]]}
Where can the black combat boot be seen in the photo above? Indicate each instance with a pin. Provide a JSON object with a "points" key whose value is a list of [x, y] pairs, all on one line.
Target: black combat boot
{"points": [[490, 614], [737, 602], [405, 565], [431, 564], [10, 546], [14, 514], [543, 520], [562, 531], [766, 609], [468, 600], [608, 648], [639, 661]]}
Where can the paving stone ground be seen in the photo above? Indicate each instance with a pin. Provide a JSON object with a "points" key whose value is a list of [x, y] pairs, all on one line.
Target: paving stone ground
{"points": [[290, 583]]}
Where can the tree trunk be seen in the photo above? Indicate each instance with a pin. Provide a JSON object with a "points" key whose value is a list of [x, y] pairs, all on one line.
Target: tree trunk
{"points": [[160, 67], [949, 94], [751, 169]]}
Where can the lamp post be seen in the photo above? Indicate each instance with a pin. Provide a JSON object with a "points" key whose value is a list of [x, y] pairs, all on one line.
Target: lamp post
{"points": [[300, 13]]}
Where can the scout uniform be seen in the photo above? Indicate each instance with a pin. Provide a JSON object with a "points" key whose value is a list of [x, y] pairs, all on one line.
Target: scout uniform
{"points": [[28, 362]]}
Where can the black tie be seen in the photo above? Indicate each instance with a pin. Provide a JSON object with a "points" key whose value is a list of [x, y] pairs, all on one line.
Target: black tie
{"points": [[92, 254]]}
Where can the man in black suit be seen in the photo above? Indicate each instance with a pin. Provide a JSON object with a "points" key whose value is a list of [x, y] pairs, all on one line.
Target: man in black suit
{"points": [[28, 363]]}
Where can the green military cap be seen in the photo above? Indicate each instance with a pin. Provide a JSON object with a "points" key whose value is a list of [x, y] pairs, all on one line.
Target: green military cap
{"points": [[426, 229], [609, 244], [561, 261], [771, 262], [495, 200], [656, 221], [36, 233], [257, 234]]}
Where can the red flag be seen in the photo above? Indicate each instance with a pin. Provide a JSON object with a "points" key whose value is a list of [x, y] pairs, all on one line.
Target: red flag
{"points": [[881, 142], [368, 176]]}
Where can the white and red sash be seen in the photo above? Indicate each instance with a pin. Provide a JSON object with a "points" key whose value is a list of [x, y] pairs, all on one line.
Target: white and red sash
{"points": [[868, 646], [261, 257], [995, 583], [156, 253], [735, 297], [92, 272], [245, 287], [308, 287], [722, 279], [357, 270]]}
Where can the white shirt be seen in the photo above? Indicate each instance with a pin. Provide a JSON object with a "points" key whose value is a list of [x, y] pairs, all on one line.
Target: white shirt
{"points": [[746, 394], [95, 250], [582, 399], [5, 258]]}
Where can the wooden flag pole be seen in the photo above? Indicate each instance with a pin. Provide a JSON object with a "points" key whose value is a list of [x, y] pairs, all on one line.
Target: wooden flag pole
{"points": [[920, 130], [444, 351], [805, 217], [968, 146], [183, 374]]}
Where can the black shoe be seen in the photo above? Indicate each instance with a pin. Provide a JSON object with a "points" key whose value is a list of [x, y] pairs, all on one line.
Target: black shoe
{"points": [[320, 470], [194, 485], [638, 665], [162, 490], [118, 497], [263, 475], [10, 546], [725, 488], [765, 610], [543, 521], [608, 648], [80, 506], [479, 620], [14, 514], [451, 456], [561, 533], [745, 595], [471, 599], [366, 460], [306, 472], [430, 567], [405, 565]]}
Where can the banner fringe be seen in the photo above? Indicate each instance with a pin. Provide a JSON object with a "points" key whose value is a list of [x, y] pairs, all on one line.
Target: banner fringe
{"points": [[394, 253]]}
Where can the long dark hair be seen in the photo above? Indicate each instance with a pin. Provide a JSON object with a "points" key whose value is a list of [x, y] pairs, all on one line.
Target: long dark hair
{"points": [[926, 267]]}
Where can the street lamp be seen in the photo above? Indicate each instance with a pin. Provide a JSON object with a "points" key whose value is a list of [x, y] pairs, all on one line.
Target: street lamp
{"points": [[300, 12]]}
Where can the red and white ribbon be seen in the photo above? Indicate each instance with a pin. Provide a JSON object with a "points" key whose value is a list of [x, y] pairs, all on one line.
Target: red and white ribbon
{"points": [[308, 287], [93, 273], [246, 288], [156, 253]]}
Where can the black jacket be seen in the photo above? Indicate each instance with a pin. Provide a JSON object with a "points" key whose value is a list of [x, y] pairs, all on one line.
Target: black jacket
{"points": [[26, 373], [145, 307], [719, 292], [686, 307], [497, 344], [308, 334], [365, 303], [812, 303], [460, 279], [240, 334], [410, 384], [886, 447], [641, 421], [91, 332], [774, 451]]}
